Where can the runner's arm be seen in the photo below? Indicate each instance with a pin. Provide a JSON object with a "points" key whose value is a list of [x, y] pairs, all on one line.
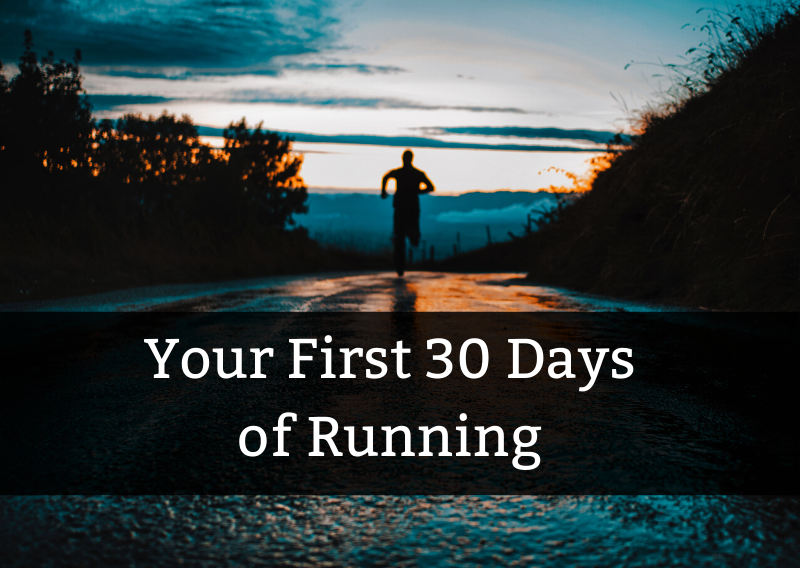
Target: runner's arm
{"points": [[428, 185], [386, 178]]}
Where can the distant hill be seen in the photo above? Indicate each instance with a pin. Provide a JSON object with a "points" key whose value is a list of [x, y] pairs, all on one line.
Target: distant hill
{"points": [[704, 208], [363, 222]]}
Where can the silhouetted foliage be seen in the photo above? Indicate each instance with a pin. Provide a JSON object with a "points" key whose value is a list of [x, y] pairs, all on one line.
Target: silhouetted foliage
{"points": [[45, 121], [74, 184], [704, 207], [265, 171], [47, 128], [553, 214], [161, 151]]}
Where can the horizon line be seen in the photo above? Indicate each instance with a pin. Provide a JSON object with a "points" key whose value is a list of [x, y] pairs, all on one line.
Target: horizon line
{"points": [[369, 191]]}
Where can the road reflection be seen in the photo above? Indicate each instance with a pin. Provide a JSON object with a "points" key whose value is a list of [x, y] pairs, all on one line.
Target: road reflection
{"points": [[402, 531], [405, 296], [364, 292]]}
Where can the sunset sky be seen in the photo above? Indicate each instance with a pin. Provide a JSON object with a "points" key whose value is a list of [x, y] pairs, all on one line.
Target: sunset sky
{"points": [[518, 74]]}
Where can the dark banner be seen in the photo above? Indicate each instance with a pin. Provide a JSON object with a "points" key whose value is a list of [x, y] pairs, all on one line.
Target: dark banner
{"points": [[401, 403]]}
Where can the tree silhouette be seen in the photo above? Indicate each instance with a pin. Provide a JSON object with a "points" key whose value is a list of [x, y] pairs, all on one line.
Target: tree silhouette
{"points": [[265, 172], [137, 199], [45, 121], [162, 151], [157, 164]]}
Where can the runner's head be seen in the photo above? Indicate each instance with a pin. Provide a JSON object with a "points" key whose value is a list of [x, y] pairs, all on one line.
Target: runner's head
{"points": [[408, 156]]}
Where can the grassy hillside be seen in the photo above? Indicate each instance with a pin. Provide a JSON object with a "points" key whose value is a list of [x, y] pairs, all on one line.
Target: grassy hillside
{"points": [[704, 208]]}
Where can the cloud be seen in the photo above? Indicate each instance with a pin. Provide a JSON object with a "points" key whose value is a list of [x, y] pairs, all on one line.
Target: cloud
{"points": [[172, 73], [111, 102], [273, 68], [267, 96], [362, 68], [406, 142], [206, 36], [579, 135]]}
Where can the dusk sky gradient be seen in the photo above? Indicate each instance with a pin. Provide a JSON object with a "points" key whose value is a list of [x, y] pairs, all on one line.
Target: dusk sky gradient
{"points": [[506, 72]]}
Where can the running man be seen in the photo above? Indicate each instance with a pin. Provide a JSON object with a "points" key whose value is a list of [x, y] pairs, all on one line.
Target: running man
{"points": [[406, 206]]}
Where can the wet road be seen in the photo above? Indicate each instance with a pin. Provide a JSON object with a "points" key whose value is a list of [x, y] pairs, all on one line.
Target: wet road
{"points": [[360, 292], [385, 531], [399, 531]]}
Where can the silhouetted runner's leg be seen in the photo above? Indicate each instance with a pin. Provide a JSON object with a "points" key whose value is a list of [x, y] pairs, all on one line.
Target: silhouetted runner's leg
{"points": [[406, 224], [412, 227], [399, 243], [399, 251]]}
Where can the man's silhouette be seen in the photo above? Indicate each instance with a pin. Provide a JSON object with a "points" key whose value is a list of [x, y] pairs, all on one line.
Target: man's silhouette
{"points": [[406, 206]]}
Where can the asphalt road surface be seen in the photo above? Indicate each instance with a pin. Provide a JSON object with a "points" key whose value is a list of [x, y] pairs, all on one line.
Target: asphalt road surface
{"points": [[364, 292], [384, 530]]}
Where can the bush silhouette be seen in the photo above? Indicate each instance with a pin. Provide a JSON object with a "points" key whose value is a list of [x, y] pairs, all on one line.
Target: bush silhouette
{"points": [[265, 172]]}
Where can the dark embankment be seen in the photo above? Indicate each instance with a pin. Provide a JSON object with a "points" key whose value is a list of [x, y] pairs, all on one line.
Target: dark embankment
{"points": [[703, 209]]}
